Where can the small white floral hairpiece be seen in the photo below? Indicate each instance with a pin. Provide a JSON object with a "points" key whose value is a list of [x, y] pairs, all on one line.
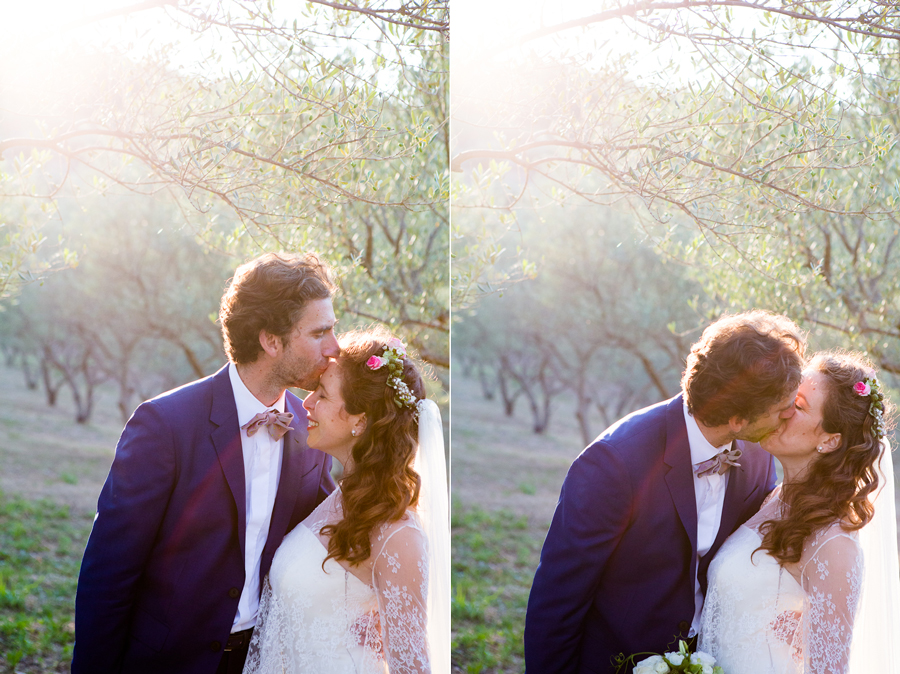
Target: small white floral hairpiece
{"points": [[392, 357], [871, 388]]}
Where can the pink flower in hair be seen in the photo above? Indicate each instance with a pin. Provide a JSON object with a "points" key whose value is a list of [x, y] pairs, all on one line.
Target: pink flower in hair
{"points": [[862, 388], [375, 363]]}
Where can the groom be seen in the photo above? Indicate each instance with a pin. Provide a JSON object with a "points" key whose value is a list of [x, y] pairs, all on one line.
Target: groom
{"points": [[199, 497], [645, 507]]}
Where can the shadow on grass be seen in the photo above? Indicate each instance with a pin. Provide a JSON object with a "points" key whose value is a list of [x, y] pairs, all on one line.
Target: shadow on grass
{"points": [[41, 544], [494, 557]]}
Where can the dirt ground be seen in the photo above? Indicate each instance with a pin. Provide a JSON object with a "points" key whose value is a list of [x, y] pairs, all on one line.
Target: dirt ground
{"points": [[499, 463], [45, 454]]}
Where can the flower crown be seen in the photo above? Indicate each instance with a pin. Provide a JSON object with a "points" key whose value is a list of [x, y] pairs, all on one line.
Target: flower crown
{"points": [[392, 357], [871, 389]]}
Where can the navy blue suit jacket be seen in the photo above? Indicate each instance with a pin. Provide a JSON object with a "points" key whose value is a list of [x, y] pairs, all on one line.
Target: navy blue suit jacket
{"points": [[617, 567], [164, 566]]}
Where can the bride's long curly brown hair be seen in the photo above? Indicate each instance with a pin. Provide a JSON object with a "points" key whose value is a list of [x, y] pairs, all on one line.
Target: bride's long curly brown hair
{"points": [[837, 486], [381, 483]]}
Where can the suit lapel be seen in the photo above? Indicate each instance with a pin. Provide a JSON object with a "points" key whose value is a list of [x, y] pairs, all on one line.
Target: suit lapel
{"points": [[227, 441], [732, 506], [731, 509], [292, 465], [679, 478]]}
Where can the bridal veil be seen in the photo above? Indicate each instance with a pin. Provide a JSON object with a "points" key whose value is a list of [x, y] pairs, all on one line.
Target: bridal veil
{"points": [[433, 512], [876, 630]]}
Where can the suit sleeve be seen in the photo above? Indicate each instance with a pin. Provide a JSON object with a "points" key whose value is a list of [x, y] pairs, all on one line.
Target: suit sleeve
{"points": [[592, 514], [326, 483], [771, 475], [129, 512]]}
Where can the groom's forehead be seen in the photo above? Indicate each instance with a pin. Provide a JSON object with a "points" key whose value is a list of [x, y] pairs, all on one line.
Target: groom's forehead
{"points": [[782, 405], [316, 316]]}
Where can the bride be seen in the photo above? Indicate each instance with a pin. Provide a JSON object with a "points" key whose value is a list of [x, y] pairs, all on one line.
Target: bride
{"points": [[809, 584], [362, 585]]}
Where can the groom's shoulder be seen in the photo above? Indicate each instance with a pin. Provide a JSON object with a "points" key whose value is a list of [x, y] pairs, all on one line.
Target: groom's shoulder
{"points": [[631, 444], [188, 394], [644, 423]]}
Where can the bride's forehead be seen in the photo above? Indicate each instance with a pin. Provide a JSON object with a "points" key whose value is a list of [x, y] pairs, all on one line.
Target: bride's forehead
{"points": [[812, 386], [332, 372]]}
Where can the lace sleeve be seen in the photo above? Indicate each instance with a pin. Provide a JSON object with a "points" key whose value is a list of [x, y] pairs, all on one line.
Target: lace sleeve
{"points": [[831, 579], [400, 577]]}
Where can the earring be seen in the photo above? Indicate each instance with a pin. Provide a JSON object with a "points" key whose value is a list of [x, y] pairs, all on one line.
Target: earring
{"points": [[353, 432], [819, 448]]}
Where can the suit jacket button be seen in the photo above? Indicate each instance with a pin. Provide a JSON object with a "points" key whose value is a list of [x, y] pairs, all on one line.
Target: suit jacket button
{"points": [[234, 593], [215, 646], [684, 626]]}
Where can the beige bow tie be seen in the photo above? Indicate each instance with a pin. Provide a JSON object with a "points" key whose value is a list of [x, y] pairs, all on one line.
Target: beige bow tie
{"points": [[279, 423], [719, 464]]}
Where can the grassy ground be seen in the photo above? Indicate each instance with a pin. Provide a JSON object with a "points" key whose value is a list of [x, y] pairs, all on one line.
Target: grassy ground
{"points": [[51, 471], [505, 482]]}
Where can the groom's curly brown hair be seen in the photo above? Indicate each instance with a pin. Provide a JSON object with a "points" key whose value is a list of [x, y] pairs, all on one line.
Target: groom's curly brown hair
{"points": [[741, 366], [269, 293], [381, 483]]}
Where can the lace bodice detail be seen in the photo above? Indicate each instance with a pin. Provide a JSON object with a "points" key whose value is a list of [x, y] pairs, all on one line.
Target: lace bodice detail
{"points": [[761, 618], [364, 619]]}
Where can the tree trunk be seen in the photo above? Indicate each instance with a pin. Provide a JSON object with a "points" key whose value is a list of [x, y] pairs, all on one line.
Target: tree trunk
{"points": [[509, 396], [85, 404], [9, 354], [31, 380], [582, 411], [51, 388], [651, 371], [487, 384]]}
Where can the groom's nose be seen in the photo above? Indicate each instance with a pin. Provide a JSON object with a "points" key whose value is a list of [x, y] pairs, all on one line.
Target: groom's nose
{"points": [[331, 348]]}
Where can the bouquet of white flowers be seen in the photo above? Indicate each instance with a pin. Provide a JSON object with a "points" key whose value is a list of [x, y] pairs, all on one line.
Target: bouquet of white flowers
{"points": [[681, 661]]}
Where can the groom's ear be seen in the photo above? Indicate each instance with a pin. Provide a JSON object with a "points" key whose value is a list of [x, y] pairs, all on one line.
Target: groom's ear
{"points": [[270, 343], [736, 425]]}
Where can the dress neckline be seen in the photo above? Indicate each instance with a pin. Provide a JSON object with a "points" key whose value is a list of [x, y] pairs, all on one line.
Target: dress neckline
{"points": [[332, 561]]}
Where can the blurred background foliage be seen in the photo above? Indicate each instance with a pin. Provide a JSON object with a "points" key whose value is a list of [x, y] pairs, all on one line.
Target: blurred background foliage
{"points": [[146, 149], [631, 172]]}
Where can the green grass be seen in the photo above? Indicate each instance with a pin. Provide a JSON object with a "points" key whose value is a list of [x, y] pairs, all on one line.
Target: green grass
{"points": [[494, 557], [40, 552]]}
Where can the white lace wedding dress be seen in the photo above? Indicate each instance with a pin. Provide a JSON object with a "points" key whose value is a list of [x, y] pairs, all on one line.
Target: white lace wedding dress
{"points": [[760, 618], [337, 620]]}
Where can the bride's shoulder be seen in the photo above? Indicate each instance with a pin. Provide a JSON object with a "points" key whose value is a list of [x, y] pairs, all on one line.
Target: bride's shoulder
{"points": [[328, 511], [773, 495], [832, 545], [403, 534]]}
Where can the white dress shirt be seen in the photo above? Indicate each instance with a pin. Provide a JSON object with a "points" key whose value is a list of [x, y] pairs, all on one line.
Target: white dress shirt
{"points": [[709, 491], [262, 469]]}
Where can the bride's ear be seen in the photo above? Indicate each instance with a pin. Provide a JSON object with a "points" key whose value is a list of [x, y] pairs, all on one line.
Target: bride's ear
{"points": [[360, 424], [831, 443]]}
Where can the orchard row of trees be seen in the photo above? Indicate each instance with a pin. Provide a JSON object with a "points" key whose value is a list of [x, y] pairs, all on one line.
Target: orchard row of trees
{"points": [[605, 322], [751, 143], [137, 313], [132, 185], [717, 115]]}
